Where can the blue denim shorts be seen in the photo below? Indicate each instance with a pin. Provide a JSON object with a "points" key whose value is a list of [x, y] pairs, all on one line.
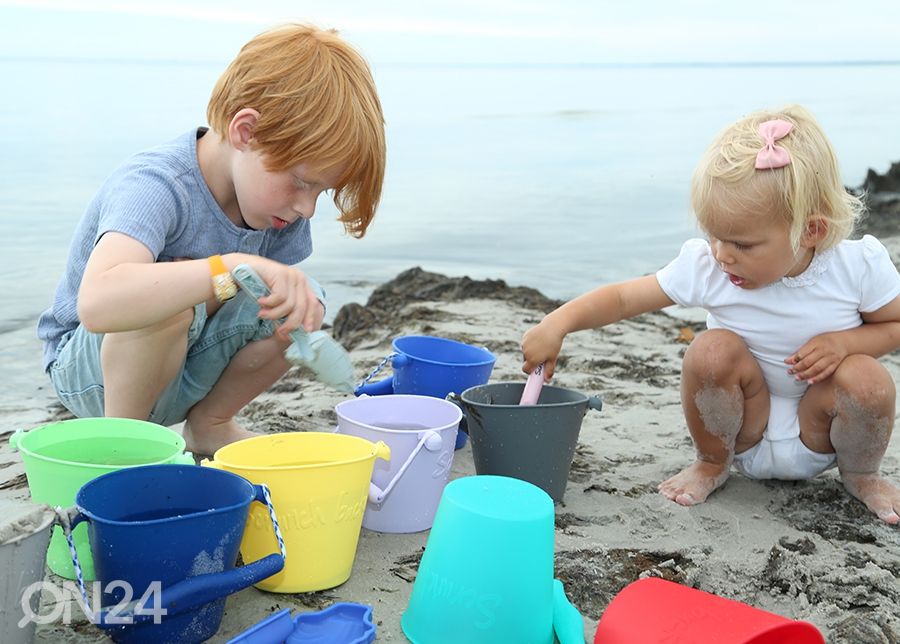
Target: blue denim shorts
{"points": [[212, 343]]}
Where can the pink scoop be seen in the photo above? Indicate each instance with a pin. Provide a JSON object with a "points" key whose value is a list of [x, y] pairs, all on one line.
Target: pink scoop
{"points": [[532, 390]]}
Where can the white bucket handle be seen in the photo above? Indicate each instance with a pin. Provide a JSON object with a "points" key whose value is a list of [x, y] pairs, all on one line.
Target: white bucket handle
{"points": [[430, 440]]}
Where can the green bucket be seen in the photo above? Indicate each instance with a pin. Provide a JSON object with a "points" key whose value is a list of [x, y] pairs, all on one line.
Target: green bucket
{"points": [[61, 457]]}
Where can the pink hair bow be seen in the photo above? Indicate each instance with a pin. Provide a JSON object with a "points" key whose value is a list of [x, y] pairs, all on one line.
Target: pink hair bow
{"points": [[771, 155]]}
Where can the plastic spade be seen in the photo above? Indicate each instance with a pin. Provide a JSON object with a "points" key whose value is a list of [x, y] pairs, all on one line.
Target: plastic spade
{"points": [[532, 390], [317, 351]]}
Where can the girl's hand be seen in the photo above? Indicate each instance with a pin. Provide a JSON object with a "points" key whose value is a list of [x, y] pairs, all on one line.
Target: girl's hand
{"points": [[291, 298], [817, 359], [542, 343]]}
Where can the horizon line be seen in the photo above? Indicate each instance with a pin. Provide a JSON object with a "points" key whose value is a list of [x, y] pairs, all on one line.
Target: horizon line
{"points": [[646, 64]]}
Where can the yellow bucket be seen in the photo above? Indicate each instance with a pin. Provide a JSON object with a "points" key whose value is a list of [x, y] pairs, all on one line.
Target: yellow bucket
{"points": [[319, 484]]}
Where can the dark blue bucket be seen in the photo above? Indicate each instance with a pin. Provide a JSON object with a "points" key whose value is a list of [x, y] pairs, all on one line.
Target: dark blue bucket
{"points": [[426, 365], [175, 526]]}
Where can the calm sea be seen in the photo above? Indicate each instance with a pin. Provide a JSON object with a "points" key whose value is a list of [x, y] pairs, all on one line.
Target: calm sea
{"points": [[557, 177]]}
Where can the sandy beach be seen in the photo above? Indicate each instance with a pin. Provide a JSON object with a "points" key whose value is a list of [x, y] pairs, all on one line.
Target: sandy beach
{"points": [[805, 550]]}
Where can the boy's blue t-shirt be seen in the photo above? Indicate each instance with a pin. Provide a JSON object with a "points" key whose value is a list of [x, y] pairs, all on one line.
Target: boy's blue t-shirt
{"points": [[159, 197]]}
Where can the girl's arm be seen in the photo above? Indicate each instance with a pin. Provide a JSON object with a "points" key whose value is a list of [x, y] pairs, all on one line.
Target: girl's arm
{"points": [[597, 308], [820, 357], [123, 289]]}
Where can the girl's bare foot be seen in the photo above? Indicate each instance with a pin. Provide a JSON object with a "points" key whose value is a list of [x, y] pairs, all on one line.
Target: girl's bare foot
{"points": [[694, 483], [204, 440], [880, 495]]}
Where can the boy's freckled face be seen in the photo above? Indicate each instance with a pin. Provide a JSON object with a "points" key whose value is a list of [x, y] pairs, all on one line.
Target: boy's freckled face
{"points": [[754, 251], [276, 199]]}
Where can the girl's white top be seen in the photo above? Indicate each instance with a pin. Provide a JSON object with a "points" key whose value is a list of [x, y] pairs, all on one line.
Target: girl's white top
{"points": [[852, 278]]}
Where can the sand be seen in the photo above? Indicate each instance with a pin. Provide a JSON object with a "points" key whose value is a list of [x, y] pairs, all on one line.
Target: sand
{"points": [[805, 550], [19, 519]]}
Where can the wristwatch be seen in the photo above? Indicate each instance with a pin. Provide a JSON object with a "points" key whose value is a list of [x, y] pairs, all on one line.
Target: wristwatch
{"points": [[224, 286]]}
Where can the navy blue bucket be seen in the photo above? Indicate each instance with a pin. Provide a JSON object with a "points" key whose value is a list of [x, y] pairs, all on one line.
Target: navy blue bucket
{"points": [[176, 526], [426, 365]]}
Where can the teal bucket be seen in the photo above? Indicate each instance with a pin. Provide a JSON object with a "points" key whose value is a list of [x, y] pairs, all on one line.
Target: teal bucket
{"points": [[499, 586]]}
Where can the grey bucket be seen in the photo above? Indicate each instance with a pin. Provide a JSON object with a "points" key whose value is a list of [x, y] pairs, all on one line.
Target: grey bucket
{"points": [[535, 443], [22, 558]]}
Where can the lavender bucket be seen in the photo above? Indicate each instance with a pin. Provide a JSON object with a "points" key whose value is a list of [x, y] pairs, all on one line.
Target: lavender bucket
{"points": [[421, 432]]}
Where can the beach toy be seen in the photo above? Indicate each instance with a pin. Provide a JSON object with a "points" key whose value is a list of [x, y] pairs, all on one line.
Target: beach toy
{"points": [[24, 535], [344, 622], [501, 587], [177, 527], [320, 485], [317, 351], [61, 457], [421, 433], [426, 365], [654, 610], [532, 390], [535, 443]]}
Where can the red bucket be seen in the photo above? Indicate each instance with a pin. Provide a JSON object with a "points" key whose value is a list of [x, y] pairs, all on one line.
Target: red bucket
{"points": [[652, 611]]}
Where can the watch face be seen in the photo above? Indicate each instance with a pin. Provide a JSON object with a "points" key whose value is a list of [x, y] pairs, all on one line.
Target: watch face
{"points": [[224, 286]]}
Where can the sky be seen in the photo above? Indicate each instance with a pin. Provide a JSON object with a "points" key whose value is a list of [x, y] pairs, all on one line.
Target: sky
{"points": [[465, 31]]}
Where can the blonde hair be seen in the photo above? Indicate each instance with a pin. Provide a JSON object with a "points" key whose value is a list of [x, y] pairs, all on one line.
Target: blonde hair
{"points": [[810, 186], [317, 104]]}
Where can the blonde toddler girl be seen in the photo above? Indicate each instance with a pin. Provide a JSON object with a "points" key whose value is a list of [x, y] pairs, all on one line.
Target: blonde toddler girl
{"points": [[785, 383]]}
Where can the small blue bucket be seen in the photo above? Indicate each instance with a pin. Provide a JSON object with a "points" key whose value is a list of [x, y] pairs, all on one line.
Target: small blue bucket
{"points": [[425, 365], [177, 527]]}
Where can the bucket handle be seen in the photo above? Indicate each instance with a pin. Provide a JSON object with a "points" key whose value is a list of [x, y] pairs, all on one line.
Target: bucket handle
{"points": [[594, 402], [184, 595], [457, 400], [184, 458], [15, 438], [380, 388], [430, 440], [568, 625]]}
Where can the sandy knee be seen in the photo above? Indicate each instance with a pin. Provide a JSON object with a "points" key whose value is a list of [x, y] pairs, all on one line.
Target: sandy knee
{"points": [[863, 382], [714, 354]]}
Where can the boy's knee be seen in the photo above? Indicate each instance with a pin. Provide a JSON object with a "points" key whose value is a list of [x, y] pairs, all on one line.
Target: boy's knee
{"points": [[174, 328], [171, 328], [715, 353], [865, 380], [181, 322]]}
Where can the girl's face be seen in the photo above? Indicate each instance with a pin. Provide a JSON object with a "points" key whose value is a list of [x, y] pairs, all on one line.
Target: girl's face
{"points": [[270, 199], [755, 250]]}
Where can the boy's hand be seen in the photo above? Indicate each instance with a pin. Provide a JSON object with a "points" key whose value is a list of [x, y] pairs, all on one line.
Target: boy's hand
{"points": [[542, 343], [291, 298], [818, 358]]}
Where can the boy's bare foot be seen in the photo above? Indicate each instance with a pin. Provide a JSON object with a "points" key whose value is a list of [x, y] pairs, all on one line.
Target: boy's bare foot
{"points": [[694, 483], [880, 495], [205, 440]]}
